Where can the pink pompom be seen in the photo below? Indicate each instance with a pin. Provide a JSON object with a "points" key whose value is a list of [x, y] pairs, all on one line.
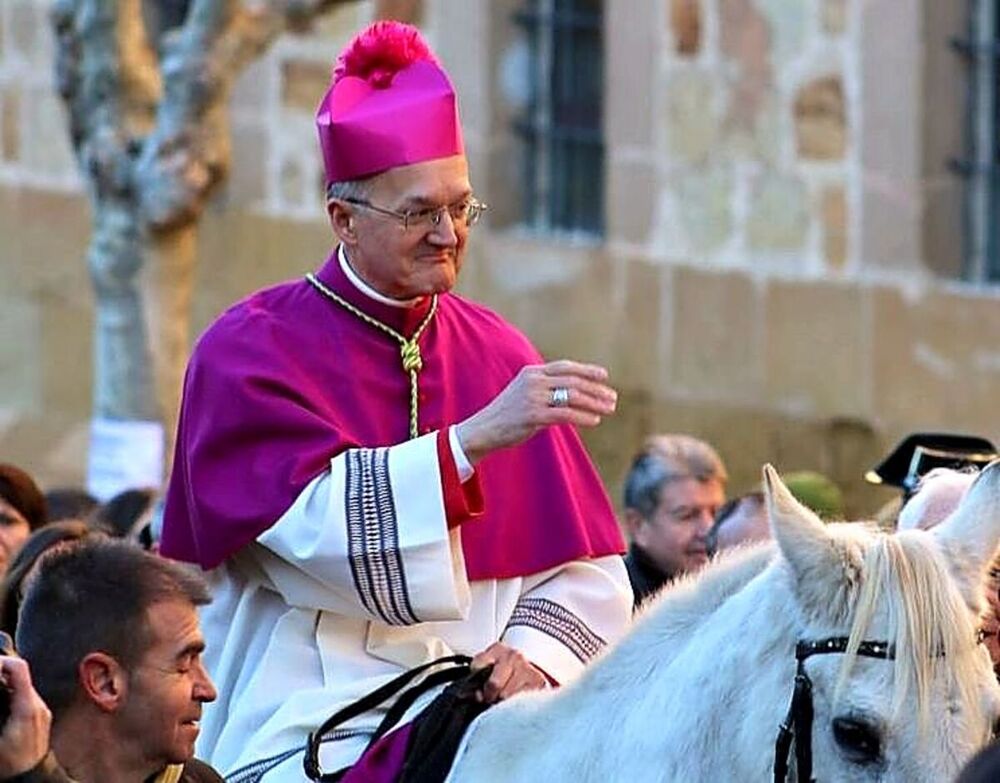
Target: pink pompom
{"points": [[379, 52]]}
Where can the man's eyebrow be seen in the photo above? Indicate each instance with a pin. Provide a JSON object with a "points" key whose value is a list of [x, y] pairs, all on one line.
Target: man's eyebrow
{"points": [[194, 648]]}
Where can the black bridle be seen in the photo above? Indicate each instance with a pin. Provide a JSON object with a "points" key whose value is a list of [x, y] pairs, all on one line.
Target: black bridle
{"points": [[797, 725]]}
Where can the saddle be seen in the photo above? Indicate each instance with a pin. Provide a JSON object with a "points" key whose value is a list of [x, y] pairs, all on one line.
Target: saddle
{"points": [[435, 734]]}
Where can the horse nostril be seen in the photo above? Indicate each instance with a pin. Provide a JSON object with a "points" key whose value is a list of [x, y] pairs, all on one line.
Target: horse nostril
{"points": [[858, 741]]}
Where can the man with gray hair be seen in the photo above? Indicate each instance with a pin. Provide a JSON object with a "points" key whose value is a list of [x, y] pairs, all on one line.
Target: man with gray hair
{"points": [[673, 490]]}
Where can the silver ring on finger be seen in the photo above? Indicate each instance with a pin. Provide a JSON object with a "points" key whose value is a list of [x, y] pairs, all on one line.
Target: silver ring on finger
{"points": [[560, 397]]}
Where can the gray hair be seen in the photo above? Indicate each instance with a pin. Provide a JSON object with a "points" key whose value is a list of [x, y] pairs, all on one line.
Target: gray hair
{"points": [[349, 190], [666, 458]]}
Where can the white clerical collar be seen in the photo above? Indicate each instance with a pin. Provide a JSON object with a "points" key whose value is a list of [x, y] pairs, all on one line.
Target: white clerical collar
{"points": [[366, 289]]}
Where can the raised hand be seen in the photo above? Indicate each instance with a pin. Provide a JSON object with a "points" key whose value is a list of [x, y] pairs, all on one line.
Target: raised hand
{"points": [[560, 392], [24, 738]]}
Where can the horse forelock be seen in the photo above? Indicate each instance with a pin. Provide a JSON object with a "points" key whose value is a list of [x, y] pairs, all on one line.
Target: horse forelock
{"points": [[906, 581]]}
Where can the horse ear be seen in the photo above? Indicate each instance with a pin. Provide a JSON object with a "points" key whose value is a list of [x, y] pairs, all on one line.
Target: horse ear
{"points": [[820, 562], [971, 533]]}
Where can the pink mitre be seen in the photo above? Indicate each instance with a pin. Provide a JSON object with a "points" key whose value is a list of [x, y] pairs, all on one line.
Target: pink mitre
{"points": [[390, 104]]}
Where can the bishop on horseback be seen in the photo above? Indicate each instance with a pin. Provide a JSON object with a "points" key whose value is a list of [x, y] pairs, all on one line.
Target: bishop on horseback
{"points": [[375, 471]]}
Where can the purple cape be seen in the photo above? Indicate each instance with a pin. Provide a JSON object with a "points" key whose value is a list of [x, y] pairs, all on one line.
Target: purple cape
{"points": [[287, 379]]}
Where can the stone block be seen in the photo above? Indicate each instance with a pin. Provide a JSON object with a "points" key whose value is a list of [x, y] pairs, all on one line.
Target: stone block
{"points": [[247, 183], [833, 211], [821, 119], [528, 279], [32, 254], [66, 356], [639, 356], [250, 91], [746, 43], [410, 11], [21, 358], [10, 123], [633, 193], [779, 218], [292, 183], [249, 251], [686, 24], [336, 27], [788, 22], [45, 145], [834, 16], [704, 203], [631, 56], [303, 84], [692, 117], [757, 138], [716, 354], [936, 362], [817, 349]]}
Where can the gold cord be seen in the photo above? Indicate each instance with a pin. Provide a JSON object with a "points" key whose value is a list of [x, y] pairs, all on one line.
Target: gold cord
{"points": [[409, 350]]}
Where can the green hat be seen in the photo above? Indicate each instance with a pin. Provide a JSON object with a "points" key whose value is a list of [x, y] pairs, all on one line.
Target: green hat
{"points": [[817, 492]]}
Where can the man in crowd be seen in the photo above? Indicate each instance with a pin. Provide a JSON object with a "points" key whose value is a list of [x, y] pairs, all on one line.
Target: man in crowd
{"points": [[377, 471], [673, 490], [111, 636]]}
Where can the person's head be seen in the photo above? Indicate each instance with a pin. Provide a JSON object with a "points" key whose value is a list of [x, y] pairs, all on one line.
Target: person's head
{"points": [[70, 503], [22, 510], [672, 492], [111, 634], [398, 190], [124, 515], [24, 563], [937, 494], [742, 520]]}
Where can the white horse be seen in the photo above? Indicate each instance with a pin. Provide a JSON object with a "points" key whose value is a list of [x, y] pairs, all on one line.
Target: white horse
{"points": [[696, 692]]}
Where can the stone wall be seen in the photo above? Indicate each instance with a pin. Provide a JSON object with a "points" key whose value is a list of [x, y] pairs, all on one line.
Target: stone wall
{"points": [[776, 224]]}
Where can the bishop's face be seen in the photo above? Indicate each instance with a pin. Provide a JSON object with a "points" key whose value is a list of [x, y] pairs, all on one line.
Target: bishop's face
{"points": [[423, 256]]}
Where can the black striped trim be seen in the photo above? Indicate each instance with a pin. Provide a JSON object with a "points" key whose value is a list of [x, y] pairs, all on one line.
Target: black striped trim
{"points": [[373, 537], [255, 770], [560, 623]]}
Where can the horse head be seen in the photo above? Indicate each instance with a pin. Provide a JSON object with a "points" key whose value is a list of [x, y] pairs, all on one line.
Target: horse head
{"points": [[919, 712]]}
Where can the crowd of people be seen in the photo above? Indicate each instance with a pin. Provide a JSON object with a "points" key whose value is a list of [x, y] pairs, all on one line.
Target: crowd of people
{"points": [[371, 473]]}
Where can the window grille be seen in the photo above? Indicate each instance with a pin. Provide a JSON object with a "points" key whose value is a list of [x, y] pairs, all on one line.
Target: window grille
{"points": [[561, 127], [980, 165]]}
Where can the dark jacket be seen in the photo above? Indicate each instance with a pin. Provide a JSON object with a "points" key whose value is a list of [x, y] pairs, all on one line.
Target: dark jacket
{"points": [[49, 771], [645, 576]]}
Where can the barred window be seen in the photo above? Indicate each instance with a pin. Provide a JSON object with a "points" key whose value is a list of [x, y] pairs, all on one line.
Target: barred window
{"points": [[561, 126], [979, 165]]}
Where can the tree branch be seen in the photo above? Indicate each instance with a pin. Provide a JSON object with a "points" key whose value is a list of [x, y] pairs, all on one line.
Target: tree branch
{"points": [[189, 153]]}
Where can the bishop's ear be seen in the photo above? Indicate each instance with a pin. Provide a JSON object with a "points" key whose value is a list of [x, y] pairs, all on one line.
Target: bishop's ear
{"points": [[825, 567], [343, 222]]}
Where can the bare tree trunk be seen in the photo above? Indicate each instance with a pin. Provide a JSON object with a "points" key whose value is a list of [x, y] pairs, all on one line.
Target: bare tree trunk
{"points": [[152, 139]]}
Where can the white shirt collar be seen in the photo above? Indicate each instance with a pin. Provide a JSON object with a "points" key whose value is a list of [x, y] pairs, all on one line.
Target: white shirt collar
{"points": [[366, 289]]}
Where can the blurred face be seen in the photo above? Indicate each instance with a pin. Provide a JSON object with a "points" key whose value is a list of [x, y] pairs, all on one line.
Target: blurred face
{"points": [[423, 258], [168, 687], [747, 524], [674, 537], [14, 531]]}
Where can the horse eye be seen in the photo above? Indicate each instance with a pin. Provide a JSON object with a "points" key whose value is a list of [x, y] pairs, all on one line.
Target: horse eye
{"points": [[858, 741]]}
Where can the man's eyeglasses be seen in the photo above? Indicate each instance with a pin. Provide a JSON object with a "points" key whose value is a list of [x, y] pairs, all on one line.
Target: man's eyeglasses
{"points": [[463, 213]]}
